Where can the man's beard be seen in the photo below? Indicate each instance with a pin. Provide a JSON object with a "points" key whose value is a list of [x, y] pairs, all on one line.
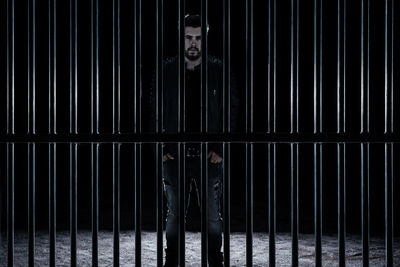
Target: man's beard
{"points": [[192, 57]]}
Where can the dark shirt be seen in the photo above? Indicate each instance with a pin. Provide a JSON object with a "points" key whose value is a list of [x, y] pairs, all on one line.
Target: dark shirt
{"points": [[193, 107]]}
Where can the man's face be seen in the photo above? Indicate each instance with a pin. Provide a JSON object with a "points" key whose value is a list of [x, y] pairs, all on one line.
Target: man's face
{"points": [[192, 43]]}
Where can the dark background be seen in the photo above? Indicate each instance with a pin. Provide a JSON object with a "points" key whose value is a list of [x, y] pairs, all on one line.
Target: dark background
{"points": [[238, 60]]}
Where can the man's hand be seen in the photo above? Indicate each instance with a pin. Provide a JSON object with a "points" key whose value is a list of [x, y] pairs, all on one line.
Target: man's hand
{"points": [[167, 156], [215, 158]]}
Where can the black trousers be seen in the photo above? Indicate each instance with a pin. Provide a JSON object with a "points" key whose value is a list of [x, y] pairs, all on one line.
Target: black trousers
{"points": [[193, 174]]}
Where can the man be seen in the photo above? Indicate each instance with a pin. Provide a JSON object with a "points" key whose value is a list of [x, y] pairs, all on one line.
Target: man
{"points": [[193, 114]]}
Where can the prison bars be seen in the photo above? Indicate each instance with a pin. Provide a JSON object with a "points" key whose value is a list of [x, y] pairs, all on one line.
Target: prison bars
{"points": [[341, 128], [389, 127], [294, 128], [226, 125], [31, 130], [94, 128], [159, 127], [365, 120], [365, 46], [271, 128]]}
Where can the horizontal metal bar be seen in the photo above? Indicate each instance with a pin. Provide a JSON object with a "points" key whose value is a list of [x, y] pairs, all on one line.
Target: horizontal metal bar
{"points": [[209, 137]]}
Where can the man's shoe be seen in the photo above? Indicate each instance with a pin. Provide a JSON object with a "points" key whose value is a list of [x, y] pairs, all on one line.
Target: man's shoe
{"points": [[171, 258], [216, 259]]}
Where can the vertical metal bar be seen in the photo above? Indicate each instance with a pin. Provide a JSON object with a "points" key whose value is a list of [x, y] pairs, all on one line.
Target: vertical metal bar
{"points": [[116, 130], [341, 167], [52, 130], [294, 148], [271, 202], [52, 203], [31, 130], [116, 203], [159, 199], [10, 203], [138, 128], [249, 129], [73, 128], [159, 126], [138, 204], [94, 128], [10, 130], [95, 202], [181, 129], [341, 128], [31, 205], [204, 204], [271, 126], [365, 19], [226, 126], [365, 202], [389, 129], [318, 129], [73, 200], [204, 130]]}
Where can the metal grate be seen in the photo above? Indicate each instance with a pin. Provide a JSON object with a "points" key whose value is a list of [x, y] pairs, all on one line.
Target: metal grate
{"points": [[344, 132]]}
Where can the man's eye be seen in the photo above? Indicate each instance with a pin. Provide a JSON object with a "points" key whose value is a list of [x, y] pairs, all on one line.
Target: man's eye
{"points": [[198, 38]]}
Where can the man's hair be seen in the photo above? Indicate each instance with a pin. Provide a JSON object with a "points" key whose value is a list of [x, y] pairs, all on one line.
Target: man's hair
{"points": [[194, 21]]}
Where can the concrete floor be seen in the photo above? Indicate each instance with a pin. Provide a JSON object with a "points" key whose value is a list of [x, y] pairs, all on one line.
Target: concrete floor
{"points": [[193, 245]]}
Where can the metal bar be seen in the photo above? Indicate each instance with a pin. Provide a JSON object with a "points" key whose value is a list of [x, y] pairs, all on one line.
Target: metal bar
{"points": [[10, 203], [159, 126], [271, 127], [52, 130], [10, 130], [365, 203], [160, 204], [389, 128], [95, 201], [182, 203], [138, 204], [389, 204], [138, 127], [271, 202], [249, 128], [52, 203], [365, 21], [116, 203], [227, 200], [341, 167], [31, 129], [317, 204], [138, 62], [181, 129], [204, 204], [116, 130], [259, 137], [249, 204], [294, 149], [73, 127], [31, 204], [341, 128], [318, 129], [95, 128], [73, 200], [226, 126]]}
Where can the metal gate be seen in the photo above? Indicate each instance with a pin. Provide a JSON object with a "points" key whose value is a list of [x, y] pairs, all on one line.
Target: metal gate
{"points": [[326, 74]]}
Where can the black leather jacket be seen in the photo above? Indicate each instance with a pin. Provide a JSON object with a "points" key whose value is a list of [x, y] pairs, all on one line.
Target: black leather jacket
{"points": [[215, 93]]}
